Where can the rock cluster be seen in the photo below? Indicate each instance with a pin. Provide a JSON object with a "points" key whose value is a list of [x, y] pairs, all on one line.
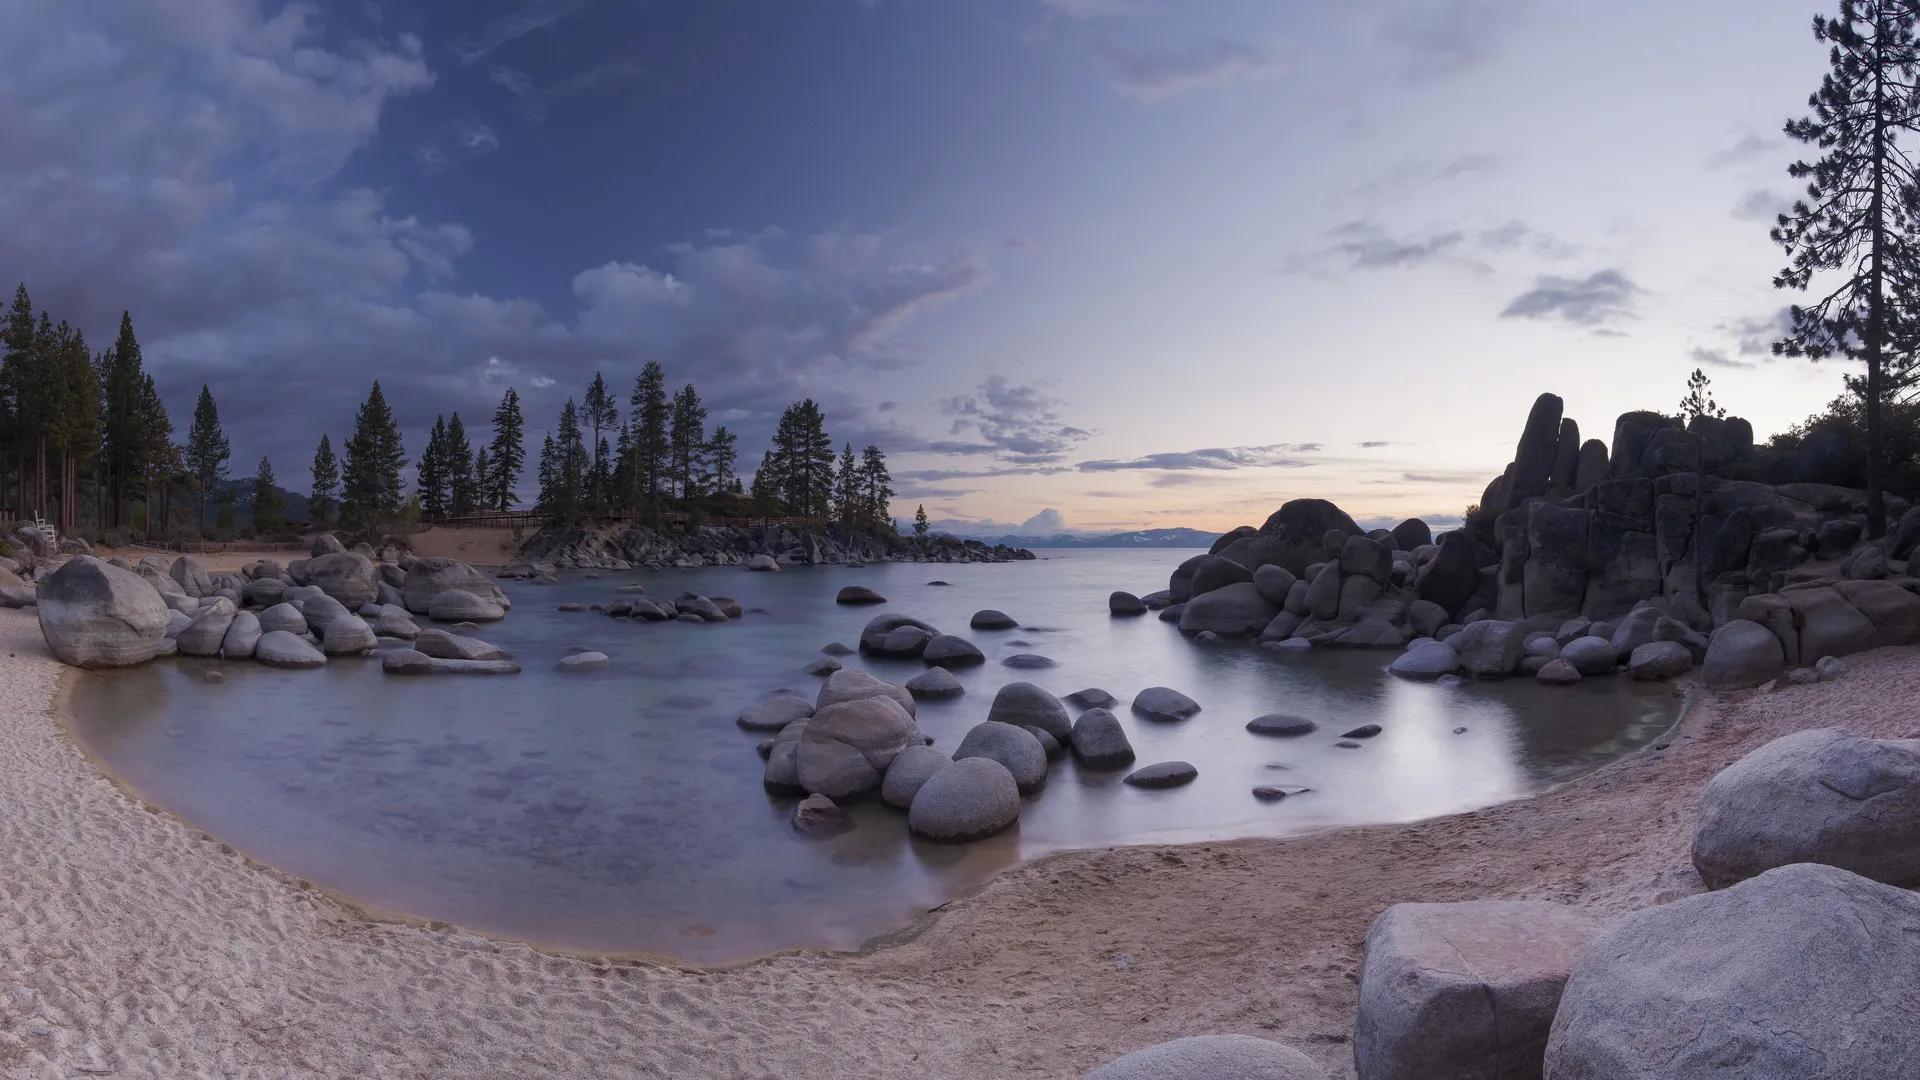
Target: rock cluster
{"points": [[760, 547]]}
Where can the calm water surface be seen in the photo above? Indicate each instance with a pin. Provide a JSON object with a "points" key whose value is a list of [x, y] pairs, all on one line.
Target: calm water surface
{"points": [[623, 811]]}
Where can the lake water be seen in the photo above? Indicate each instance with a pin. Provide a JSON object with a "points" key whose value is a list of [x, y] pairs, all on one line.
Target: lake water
{"points": [[622, 810]]}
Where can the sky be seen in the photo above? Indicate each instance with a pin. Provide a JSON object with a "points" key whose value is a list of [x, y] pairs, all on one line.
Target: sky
{"points": [[1089, 265]]}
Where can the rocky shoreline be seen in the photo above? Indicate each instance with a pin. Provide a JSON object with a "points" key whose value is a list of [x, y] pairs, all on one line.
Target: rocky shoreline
{"points": [[624, 546]]}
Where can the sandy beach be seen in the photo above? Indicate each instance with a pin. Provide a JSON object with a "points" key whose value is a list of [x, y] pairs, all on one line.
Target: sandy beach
{"points": [[134, 945]]}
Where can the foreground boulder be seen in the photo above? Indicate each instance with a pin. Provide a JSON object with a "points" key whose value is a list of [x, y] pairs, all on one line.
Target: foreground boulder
{"points": [[968, 800], [1467, 989], [849, 684], [280, 649], [458, 605], [1024, 704], [208, 630], [243, 635], [933, 683], [1236, 610], [1741, 654], [774, 713], [1212, 1057], [428, 578], [1125, 603], [1099, 742], [910, 770], [347, 576], [846, 747], [875, 635], [1821, 796], [1164, 703], [97, 615], [1426, 659], [951, 651], [1808, 972], [1014, 747]]}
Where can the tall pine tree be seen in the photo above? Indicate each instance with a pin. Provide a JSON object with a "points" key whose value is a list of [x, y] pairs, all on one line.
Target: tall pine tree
{"points": [[599, 414], [207, 450], [507, 454], [849, 502], [721, 458], [430, 473], [269, 507], [876, 490], [371, 481], [649, 413], [324, 499], [456, 454], [687, 438]]}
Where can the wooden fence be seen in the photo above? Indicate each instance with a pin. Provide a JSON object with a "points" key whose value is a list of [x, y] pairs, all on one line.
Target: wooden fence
{"points": [[531, 519]]}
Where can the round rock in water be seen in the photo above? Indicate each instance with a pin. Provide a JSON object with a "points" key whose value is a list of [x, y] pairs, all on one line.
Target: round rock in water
{"points": [[1558, 672], [280, 649], [1426, 659], [1099, 742], [834, 648], [1163, 774], [1271, 793], [1212, 1057], [1092, 698], [911, 769], [1125, 603], [874, 638], [1163, 703], [775, 713], [1590, 655], [1025, 705], [1364, 731], [822, 667], [1047, 742], [935, 683], [580, 661], [1282, 724], [952, 651], [845, 748], [455, 605], [1028, 661], [851, 684], [968, 800], [989, 619], [818, 815], [858, 594], [1013, 747]]}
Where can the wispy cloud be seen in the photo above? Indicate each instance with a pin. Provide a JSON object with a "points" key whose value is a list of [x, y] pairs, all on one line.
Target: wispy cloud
{"points": [[1594, 301], [1716, 358], [1748, 147], [461, 137], [525, 17], [1761, 204], [1015, 421], [1164, 73], [1421, 172], [1275, 456], [1755, 335]]}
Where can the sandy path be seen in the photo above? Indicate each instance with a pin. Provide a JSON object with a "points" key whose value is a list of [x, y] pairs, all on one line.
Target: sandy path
{"points": [[131, 943]]}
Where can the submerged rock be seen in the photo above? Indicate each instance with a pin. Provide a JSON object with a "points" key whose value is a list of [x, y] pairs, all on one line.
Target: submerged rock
{"points": [[1165, 774], [1092, 698], [1125, 603], [774, 713], [935, 683], [989, 619], [1281, 724], [1164, 703], [280, 649], [858, 594]]}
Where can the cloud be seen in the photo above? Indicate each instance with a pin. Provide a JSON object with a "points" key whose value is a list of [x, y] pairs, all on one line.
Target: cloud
{"points": [[1155, 74], [1748, 147], [1602, 297], [525, 17], [1519, 236], [533, 100], [1091, 9], [597, 76], [1013, 421], [1442, 37], [1461, 476], [463, 137], [520, 85], [1716, 358], [1761, 204], [1275, 456], [1754, 336], [1367, 245], [1426, 171]]}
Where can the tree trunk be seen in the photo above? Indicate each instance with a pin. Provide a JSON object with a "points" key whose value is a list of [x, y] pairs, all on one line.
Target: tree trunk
{"points": [[1876, 313]]}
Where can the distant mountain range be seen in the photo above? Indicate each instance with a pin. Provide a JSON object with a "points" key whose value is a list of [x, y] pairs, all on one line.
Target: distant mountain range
{"points": [[1143, 538]]}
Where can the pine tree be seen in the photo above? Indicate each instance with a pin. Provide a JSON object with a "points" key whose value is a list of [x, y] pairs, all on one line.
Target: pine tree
{"points": [[687, 439], [20, 388], [128, 446], [920, 523], [506, 455], [207, 450], [621, 483], [598, 412], [1858, 218], [430, 472], [849, 504], [481, 471], [77, 429], [721, 457], [456, 455], [325, 497], [876, 489], [565, 468], [766, 481], [803, 460], [269, 507], [375, 457], [160, 460], [649, 412], [549, 497]]}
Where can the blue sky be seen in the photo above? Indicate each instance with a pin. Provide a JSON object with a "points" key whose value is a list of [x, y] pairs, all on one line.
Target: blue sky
{"points": [[1098, 263]]}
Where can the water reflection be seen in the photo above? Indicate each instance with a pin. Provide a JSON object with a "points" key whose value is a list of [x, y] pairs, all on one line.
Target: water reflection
{"points": [[623, 810]]}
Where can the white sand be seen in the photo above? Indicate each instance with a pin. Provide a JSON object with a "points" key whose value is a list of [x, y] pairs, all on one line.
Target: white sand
{"points": [[132, 945]]}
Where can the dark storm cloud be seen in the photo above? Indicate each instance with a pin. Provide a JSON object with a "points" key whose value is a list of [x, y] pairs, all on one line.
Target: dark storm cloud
{"points": [[1278, 455], [1594, 301], [1168, 72]]}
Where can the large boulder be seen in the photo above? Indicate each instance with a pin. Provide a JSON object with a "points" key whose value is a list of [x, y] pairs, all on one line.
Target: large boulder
{"points": [[933, 683], [1466, 989], [1274, 582], [846, 747], [1212, 1057], [1740, 654], [873, 638], [1828, 625], [1164, 704], [1412, 533], [1014, 747], [458, 605], [1296, 533], [14, 590], [909, 771], [428, 578], [446, 645], [283, 616], [347, 635], [967, 800], [1024, 704], [280, 649], [1216, 572], [1237, 610], [1821, 796], [1590, 655], [94, 614], [347, 576], [1453, 576], [192, 578], [243, 635], [851, 684], [208, 630], [854, 595], [774, 713], [1893, 611], [992, 619], [1538, 449], [1125, 603], [1425, 660], [951, 651], [1099, 742], [1658, 661], [1808, 972], [1904, 537], [1489, 649]]}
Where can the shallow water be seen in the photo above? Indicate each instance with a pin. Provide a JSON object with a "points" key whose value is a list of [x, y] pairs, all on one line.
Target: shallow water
{"points": [[622, 810]]}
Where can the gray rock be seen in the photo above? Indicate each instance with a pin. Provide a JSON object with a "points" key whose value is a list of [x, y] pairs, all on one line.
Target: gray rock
{"points": [[1014, 747], [396, 624], [1835, 538], [1028, 661], [326, 544], [909, 771], [873, 639], [1282, 724], [854, 685], [1829, 668], [283, 616], [1274, 583], [204, 635], [243, 636], [846, 747], [822, 667], [834, 648], [1125, 603], [1236, 610], [1806, 971], [1099, 742], [818, 815], [1164, 774], [1465, 989], [280, 649], [1364, 731], [1023, 704], [1426, 659], [762, 563], [1216, 572], [935, 683], [456, 605], [1865, 563], [1091, 698], [1047, 742], [1590, 655], [1488, 649], [1425, 618], [989, 619], [1828, 625], [904, 641], [951, 651], [1893, 611], [695, 604], [428, 578], [96, 615], [1820, 796], [1657, 661], [1558, 672], [858, 594], [445, 645], [346, 576], [1212, 1057], [1635, 629], [576, 663], [1163, 703], [346, 635], [968, 800], [193, 579], [774, 713], [1741, 654]]}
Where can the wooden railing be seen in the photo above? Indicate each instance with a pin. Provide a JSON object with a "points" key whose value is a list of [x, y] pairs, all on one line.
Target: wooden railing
{"points": [[532, 519]]}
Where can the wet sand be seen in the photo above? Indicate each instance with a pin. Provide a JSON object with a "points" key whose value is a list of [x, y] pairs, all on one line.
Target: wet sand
{"points": [[132, 944]]}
